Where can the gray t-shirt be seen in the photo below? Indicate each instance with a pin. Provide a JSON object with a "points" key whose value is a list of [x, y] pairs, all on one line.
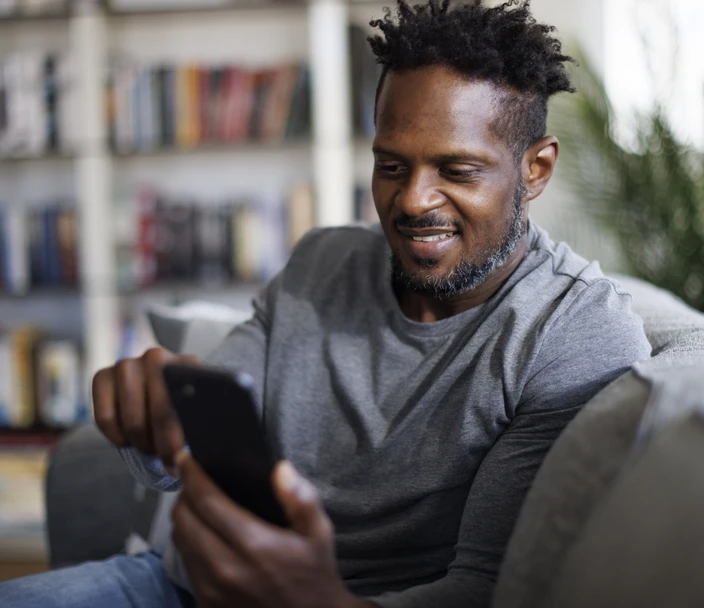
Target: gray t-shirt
{"points": [[423, 438]]}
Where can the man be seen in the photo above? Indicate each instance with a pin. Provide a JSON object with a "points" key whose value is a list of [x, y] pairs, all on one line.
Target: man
{"points": [[415, 375]]}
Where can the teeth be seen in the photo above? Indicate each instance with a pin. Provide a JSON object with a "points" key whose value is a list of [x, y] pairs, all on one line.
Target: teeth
{"points": [[435, 237]]}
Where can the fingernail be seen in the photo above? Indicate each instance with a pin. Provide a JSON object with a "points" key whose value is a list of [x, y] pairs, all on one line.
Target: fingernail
{"points": [[181, 456], [179, 459], [288, 476]]}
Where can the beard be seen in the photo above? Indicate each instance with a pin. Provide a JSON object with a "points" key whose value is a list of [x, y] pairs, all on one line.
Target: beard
{"points": [[467, 274]]}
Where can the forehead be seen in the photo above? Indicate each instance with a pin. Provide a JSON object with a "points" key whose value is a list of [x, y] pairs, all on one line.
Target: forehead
{"points": [[436, 107]]}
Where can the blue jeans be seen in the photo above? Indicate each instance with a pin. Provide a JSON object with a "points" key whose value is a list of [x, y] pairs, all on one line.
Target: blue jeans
{"points": [[119, 582]]}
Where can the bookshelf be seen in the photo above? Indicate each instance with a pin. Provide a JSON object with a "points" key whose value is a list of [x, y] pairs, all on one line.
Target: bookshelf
{"points": [[93, 175], [88, 173]]}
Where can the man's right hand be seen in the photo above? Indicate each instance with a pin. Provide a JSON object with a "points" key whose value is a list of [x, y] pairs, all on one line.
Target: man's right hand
{"points": [[132, 406]]}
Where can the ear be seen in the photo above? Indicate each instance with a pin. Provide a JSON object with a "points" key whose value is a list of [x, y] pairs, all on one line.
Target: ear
{"points": [[538, 164]]}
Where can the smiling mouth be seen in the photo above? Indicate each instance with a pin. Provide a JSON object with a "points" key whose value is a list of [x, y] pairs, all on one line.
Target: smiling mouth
{"points": [[433, 237]]}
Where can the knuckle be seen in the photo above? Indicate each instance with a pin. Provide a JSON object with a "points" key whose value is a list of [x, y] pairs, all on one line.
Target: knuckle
{"points": [[206, 504], [189, 359], [155, 356], [309, 497], [104, 418], [262, 546], [123, 371], [208, 592], [226, 575], [327, 530], [101, 378], [136, 432]]}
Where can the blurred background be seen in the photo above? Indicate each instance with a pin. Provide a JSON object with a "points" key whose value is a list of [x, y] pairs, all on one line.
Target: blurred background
{"points": [[154, 152]]}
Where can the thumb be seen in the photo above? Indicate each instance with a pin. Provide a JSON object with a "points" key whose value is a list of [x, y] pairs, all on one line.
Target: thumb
{"points": [[301, 502]]}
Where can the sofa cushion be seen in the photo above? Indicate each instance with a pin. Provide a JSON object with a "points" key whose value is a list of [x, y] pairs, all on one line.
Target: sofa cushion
{"points": [[642, 544], [576, 474], [89, 499], [671, 326]]}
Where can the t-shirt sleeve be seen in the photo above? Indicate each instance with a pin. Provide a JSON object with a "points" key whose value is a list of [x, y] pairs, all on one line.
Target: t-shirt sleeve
{"points": [[244, 349], [594, 340]]}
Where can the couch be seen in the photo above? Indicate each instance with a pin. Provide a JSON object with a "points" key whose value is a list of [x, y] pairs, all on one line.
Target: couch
{"points": [[612, 519]]}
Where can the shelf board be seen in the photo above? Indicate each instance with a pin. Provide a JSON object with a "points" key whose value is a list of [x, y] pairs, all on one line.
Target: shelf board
{"points": [[51, 157], [226, 7], [36, 436], [42, 292], [220, 148], [14, 18], [238, 5]]}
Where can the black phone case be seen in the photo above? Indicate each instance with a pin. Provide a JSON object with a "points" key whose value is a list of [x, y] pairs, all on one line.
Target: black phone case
{"points": [[223, 432]]}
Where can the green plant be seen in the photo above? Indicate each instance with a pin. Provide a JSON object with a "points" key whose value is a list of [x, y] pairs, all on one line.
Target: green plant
{"points": [[650, 194]]}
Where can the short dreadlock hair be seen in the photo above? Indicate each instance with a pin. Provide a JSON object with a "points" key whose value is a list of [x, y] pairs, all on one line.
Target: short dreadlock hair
{"points": [[503, 45]]}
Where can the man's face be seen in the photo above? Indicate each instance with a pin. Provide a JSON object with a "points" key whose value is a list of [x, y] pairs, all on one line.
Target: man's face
{"points": [[447, 190]]}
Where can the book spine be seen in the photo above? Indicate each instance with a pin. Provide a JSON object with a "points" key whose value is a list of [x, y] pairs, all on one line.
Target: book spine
{"points": [[7, 414], [16, 253], [58, 383], [24, 405]]}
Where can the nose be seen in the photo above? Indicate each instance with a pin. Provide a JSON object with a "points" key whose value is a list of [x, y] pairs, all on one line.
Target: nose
{"points": [[418, 194]]}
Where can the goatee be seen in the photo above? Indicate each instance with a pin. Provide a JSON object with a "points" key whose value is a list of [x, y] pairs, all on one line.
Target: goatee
{"points": [[467, 274]]}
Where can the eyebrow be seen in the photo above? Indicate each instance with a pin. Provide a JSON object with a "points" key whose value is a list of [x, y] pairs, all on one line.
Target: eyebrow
{"points": [[447, 157]]}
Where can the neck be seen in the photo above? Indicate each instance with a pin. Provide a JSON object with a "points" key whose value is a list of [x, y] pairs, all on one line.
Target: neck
{"points": [[427, 309]]}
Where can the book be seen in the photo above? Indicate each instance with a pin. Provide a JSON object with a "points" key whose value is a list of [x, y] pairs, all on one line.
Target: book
{"points": [[22, 478], [36, 103], [155, 106], [39, 247], [20, 377], [59, 401], [162, 238], [15, 250], [300, 211]]}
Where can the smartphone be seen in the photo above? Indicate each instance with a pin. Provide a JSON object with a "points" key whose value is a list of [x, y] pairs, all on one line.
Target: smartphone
{"points": [[223, 432]]}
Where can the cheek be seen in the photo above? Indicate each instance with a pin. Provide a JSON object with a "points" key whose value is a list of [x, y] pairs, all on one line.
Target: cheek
{"points": [[380, 195], [486, 206]]}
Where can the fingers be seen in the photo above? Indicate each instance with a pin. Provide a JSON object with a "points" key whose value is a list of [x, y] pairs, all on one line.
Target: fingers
{"points": [[131, 395], [211, 565], [237, 526], [105, 407], [301, 503], [132, 405], [167, 436]]}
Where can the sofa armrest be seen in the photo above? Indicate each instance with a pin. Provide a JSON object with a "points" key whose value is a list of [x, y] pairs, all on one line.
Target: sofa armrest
{"points": [[90, 498]]}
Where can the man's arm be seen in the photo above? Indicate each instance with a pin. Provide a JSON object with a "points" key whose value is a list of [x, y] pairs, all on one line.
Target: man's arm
{"points": [[595, 341]]}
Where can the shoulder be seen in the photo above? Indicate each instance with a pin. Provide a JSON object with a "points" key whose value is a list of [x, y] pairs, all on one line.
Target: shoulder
{"points": [[589, 334], [573, 286]]}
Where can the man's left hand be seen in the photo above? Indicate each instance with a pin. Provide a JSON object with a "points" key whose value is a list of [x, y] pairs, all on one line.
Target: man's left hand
{"points": [[234, 558]]}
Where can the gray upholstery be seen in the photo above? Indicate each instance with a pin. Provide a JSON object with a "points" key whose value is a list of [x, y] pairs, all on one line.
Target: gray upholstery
{"points": [[586, 459], [89, 499], [673, 328], [642, 547], [576, 474]]}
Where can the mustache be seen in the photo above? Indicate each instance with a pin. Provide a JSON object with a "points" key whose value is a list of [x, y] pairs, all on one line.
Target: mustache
{"points": [[431, 220]]}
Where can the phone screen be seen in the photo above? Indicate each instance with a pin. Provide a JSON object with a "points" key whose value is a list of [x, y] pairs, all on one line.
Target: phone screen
{"points": [[223, 432]]}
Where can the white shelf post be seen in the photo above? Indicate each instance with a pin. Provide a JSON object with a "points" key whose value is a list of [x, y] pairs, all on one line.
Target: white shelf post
{"points": [[93, 188], [333, 161]]}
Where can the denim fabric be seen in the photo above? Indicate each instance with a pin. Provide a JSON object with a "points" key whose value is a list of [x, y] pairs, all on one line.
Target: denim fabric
{"points": [[119, 582]]}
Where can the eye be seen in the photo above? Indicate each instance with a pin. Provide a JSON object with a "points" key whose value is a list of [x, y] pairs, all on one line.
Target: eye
{"points": [[389, 167], [459, 174]]}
